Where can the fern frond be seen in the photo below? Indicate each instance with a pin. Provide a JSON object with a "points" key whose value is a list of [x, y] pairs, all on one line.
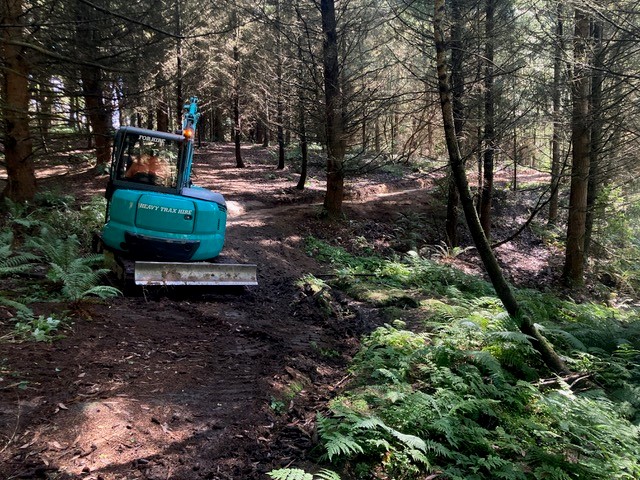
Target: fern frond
{"points": [[18, 306], [510, 336], [325, 474], [101, 291], [290, 474], [410, 441], [341, 445]]}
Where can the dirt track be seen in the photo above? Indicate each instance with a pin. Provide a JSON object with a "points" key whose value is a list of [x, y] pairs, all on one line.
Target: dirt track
{"points": [[170, 385], [215, 385]]}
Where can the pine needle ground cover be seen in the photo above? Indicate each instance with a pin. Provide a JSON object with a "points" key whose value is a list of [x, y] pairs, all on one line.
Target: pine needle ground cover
{"points": [[451, 389]]}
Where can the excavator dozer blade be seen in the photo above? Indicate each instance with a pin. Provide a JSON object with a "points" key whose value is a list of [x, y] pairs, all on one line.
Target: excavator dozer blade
{"points": [[196, 273]]}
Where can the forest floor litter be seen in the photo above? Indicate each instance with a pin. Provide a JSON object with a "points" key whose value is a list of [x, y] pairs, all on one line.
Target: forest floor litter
{"points": [[216, 384]]}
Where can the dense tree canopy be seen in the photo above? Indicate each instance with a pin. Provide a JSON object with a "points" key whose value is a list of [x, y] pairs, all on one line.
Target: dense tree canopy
{"points": [[356, 77]]}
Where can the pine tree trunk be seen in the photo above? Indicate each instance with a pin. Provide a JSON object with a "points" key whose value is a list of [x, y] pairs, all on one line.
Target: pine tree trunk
{"points": [[18, 147], [595, 180], [333, 105], [457, 81], [489, 127], [162, 114], [96, 110], [557, 116], [279, 80], [267, 123], [302, 128], [237, 131], [179, 75], [548, 355], [576, 225], [304, 151]]}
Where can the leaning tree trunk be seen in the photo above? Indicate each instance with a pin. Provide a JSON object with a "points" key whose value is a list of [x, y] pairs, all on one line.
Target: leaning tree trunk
{"points": [[548, 355], [576, 224], [304, 151], [18, 146], [333, 105]]}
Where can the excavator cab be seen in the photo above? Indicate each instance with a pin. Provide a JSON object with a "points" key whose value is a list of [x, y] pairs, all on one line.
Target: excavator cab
{"points": [[157, 219], [146, 157]]}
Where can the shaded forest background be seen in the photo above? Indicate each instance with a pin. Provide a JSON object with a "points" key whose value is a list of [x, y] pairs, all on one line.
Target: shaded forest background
{"points": [[543, 84], [466, 376]]}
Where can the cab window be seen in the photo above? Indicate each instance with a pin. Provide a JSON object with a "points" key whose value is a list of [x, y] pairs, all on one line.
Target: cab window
{"points": [[149, 160]]}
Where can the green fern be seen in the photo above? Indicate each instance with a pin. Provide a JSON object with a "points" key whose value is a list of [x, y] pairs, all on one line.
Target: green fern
{"points": [[290, 474], [325, 474], [298, 474], [18, 306], [77, 274], [80, 280], [12, 262]]}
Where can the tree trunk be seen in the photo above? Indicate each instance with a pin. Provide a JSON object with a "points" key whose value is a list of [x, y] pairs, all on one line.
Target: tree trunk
{"points": [[557, 118], [548, 355], [574, 256], [489, 127], [303, 149], [280, 89], [92, 86], [457, 81], [162, 114], [179, 94], [333, 104], [237, 131], [595, 180], [18, 146], [267, 123]]}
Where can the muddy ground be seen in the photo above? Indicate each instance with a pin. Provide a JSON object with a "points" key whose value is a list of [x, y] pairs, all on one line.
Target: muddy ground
{"points": [[175, 384]]}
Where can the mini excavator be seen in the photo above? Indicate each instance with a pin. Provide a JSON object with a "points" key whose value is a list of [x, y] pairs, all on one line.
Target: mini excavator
{"points": [[161, 229]]}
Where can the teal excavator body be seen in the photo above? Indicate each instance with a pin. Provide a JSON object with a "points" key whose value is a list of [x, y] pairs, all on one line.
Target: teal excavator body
{"points": [[158, 219]]}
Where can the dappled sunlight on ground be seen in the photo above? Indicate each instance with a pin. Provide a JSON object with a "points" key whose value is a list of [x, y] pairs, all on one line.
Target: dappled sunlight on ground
{"points": [[185, 384]]}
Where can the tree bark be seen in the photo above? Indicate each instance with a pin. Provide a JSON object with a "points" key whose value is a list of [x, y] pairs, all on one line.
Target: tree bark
{"points": [[457, 82], [179, 75], [303, 150], [280, 89], [18, 144], [576, 225], [489, 125], [237, 131], [336, 146], [595, 178], [98, 114], [557, 117], [548, 355], [162, 114]]}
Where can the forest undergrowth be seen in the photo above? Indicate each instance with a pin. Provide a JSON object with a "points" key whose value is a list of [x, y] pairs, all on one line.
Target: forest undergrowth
{"points": [[449, 387]]}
